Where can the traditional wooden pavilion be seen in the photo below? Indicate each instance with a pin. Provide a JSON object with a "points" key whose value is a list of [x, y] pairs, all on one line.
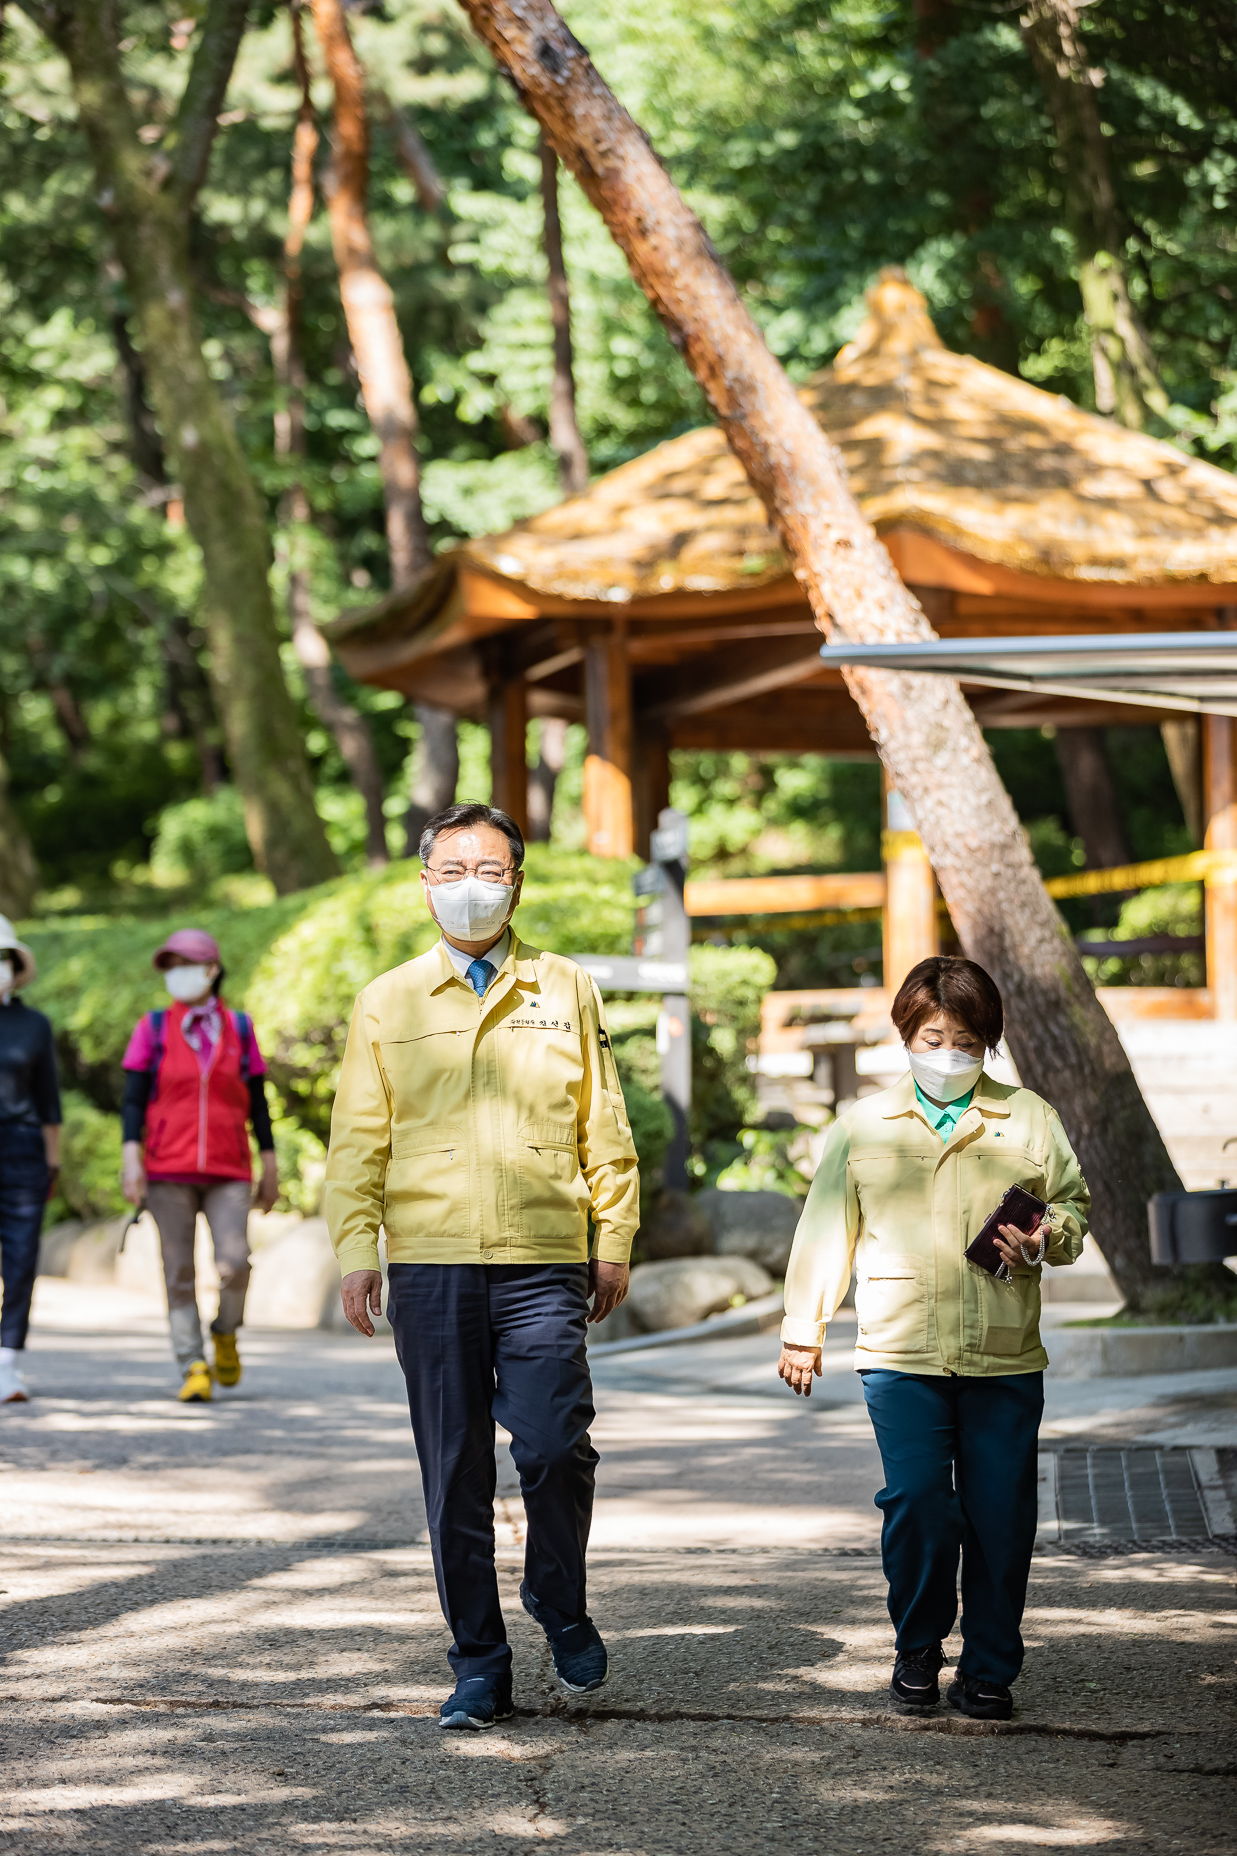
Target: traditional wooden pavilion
{"points": [[658, 607]]}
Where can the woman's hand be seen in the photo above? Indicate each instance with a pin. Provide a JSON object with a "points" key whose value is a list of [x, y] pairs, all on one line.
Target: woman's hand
{"points": [[797, 1366], [1011, 1240], [268, 1185], [132, 1173]]}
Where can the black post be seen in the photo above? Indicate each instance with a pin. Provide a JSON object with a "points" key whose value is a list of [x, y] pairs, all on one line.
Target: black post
{"points": [[663, 932]]}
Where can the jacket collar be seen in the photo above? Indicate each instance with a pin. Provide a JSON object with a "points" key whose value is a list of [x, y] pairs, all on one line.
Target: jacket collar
{"points": [[520, 964], [989, 1099]]}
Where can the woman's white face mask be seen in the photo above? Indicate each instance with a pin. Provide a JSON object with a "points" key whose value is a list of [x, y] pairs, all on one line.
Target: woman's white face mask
{"points": [[945, 1075], [470, 909], [187, 984]]}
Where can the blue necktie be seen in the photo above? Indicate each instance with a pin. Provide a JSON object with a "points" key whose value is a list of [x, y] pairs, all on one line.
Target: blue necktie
{"points": [[479, 975]]}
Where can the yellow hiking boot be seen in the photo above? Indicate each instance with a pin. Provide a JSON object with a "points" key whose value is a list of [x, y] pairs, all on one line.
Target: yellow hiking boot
{"points": [[197, 1387], [227, 1360]]}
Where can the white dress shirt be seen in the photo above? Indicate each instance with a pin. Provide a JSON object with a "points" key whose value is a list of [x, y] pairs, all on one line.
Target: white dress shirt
{"points": [[494, 956]]}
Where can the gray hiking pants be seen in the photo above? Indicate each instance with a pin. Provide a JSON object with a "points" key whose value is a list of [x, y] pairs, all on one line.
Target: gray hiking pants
{"points": [[175, 1209]]}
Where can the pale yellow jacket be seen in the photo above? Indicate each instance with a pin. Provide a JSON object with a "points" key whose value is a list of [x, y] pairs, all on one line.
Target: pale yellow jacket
{"points": [[480, 1130], [901, 1206]]}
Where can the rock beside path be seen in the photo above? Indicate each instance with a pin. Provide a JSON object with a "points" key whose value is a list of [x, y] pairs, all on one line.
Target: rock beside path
{"points": [[757, 1225], [683, 1291]]}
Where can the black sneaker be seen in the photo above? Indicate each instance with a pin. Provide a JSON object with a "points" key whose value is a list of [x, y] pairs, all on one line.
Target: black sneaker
{"points": [[580, 1660], [981, 1699], [914, 1686], [478, 1702]]}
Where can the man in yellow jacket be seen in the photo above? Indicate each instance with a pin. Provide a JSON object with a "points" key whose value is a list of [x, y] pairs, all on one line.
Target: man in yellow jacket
{"points": [[480, 1122]]}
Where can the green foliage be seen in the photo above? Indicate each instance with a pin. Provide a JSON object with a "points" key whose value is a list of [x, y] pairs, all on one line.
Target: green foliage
{"points": [[727, 987], [1175, 908], [200, 840], [758, 1160], [89, 1182]]}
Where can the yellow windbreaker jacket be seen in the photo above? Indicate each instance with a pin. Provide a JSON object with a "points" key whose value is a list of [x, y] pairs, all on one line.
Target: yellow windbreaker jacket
{"points": [[480, 1130], [901, 1206]]}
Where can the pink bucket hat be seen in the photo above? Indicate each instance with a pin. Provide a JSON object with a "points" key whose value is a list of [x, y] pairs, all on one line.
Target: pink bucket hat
{"points": [[191, 944]]}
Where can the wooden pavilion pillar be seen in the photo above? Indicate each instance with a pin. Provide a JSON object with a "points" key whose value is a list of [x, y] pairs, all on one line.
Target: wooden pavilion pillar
{"points": [[607, 767], [507, 713], [908, 921], [1220, 834]]}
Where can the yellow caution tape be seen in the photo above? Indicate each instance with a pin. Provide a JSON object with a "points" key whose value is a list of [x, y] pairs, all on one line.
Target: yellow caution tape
{"points": [[1194, 867], [901, 844]]}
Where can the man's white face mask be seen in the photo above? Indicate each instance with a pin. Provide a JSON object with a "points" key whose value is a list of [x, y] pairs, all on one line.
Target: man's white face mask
{"points": [[945, 1075], [187, 983], [470, 909], [7, 976]]}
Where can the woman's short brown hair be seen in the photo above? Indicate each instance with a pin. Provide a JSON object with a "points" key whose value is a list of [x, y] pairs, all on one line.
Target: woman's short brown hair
{"points": [[946, 983]]}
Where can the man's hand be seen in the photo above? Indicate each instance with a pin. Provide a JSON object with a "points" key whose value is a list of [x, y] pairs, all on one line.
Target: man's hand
{"points": [[132, 1173], [361, 1294], [607, 1284], [796, 1367], [268, 1185]]}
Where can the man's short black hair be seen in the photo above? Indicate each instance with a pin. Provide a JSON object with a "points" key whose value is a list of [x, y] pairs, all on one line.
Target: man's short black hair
{"points": [[464, 818]]}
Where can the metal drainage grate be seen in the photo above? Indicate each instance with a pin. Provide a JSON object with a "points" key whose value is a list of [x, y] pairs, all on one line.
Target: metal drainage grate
{"points": [[1104, 1495]]}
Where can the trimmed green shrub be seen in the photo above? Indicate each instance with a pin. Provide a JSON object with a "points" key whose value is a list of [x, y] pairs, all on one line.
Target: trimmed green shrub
{"points": [[201, 839], [89, 1182]]}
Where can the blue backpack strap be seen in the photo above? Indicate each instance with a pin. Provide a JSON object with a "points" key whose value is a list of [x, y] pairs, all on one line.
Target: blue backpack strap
{"points": [[244, 1031], [158, 1026]]}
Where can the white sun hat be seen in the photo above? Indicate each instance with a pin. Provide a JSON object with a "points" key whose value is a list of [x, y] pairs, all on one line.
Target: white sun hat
{"points": [[26, 965]]}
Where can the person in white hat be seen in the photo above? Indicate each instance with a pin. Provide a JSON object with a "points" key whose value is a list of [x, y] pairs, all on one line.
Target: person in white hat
{"points": [[29, 1151]]}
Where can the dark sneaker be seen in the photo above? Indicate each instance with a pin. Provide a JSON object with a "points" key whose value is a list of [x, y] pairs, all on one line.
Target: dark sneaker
{"points": [[580, 1660], [981, 1699], [914, 1686], [478, 1702]]}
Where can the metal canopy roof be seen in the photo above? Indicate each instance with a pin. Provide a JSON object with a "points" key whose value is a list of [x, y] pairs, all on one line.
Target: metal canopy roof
{"points": [[1191, 671]]}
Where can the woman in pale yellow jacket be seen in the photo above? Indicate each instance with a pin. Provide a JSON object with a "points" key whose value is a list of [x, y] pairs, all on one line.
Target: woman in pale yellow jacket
{"points": [[949, 1354]]}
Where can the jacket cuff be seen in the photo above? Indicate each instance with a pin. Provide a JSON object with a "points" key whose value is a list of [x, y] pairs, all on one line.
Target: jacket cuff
{"points": [[611, 1247], [799, 1333], [360, 1254]]}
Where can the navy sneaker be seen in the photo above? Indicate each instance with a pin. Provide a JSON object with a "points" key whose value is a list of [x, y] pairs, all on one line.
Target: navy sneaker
{"points": [[981, 1699], [478, 1702], [580, 1660], [914, 1686]]}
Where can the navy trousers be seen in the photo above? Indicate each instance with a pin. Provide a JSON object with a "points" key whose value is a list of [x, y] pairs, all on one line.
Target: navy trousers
{"points": [[959, 1456], [501, 1341], [23, 1194]]}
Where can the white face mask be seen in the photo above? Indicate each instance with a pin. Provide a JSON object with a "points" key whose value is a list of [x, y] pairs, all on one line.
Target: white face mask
{"points": [[187, 984], [470, 909], [945, 1074], [7, 975]]}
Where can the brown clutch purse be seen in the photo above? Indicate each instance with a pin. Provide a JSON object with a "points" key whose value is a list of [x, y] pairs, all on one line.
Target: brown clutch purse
{"points": [[1019, 1208]]}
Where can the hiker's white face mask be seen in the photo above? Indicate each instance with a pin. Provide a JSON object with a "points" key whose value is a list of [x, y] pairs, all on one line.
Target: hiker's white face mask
{"points": [[188, 984]]}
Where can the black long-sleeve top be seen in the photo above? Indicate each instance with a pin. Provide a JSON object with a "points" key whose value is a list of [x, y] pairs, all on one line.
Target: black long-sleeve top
{"points": [[138, 1085], [29, 1087]]}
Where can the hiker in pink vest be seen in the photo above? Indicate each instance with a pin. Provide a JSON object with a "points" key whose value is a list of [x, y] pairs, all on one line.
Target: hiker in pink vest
{"points": [[194, 1084]]}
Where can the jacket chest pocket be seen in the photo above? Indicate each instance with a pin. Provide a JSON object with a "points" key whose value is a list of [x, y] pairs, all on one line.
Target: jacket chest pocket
{"points": [[892, 1306], [552, 1191]]}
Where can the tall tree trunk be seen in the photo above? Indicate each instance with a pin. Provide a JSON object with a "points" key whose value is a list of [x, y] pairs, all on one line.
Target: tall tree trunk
{"points": [[435, 772], [19, 870], [346, 723], [1127, 380], [1091, 797], [414, 157], [148, 197], [564, 427], [930, 742], [386, 383]]}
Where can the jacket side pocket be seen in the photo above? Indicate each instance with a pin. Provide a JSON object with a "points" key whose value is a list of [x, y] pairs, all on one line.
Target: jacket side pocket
{"points": [[891, 1306]]}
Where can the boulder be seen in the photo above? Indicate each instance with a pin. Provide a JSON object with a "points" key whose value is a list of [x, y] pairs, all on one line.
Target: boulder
{"points": [[679, 1293], [295, 1279], [759, 1225], [675, 1227]]}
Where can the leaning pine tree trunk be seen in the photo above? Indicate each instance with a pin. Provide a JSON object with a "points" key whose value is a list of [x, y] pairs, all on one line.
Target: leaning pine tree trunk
{"points": [[929, 740], [564, 426]]}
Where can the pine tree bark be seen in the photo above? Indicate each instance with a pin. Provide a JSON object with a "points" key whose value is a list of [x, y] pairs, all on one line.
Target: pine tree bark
{"points": [[564, 426], [19, 870], [1065, 1044], [543, 778], [369, 308], [1127, 380], [1091, 797], [345, 721], [386, 382], [148, 198], [435, 772]]}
